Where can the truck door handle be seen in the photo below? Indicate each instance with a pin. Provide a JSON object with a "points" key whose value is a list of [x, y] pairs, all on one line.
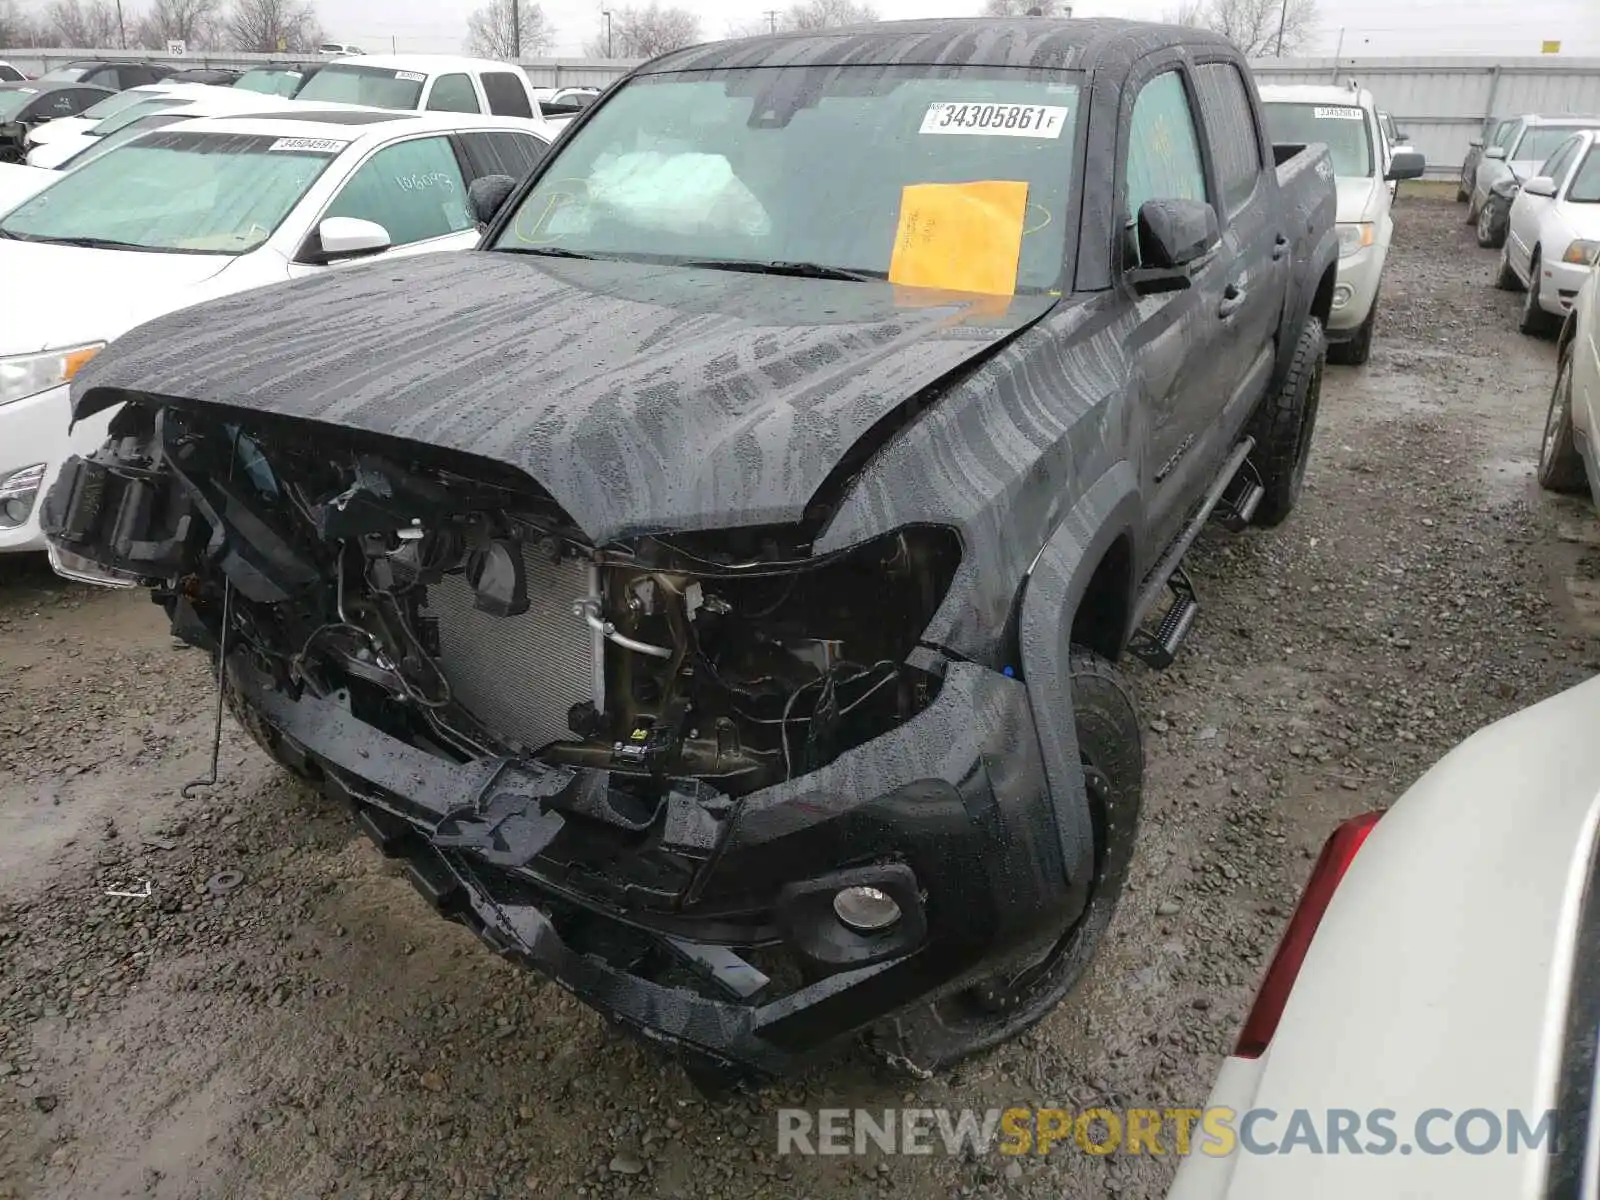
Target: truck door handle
{"points": [[1280, 247], [1232, 300]]}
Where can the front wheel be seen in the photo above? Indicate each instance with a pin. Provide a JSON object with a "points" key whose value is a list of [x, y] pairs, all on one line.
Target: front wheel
{"points": [[1491, 228], [1560, 465], [1358, 349], [1284, 425], [1535, 322], [1506, 279], [939, 1034]]}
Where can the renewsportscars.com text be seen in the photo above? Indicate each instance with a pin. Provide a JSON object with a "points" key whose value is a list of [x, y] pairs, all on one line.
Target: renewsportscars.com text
{"points": [[1217, 1132]]}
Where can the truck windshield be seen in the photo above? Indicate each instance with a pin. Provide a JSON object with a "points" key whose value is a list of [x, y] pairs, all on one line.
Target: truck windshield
{"points": [[906, 173], [378, 87], [1340, 127], [171, 191]]}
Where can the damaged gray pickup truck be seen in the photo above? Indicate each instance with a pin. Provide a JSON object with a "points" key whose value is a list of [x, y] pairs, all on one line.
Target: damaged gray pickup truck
{"points": [[714, 585]]}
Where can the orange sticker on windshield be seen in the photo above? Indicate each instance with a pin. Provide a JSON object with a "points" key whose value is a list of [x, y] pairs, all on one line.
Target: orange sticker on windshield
{"points": [[965, 237]]}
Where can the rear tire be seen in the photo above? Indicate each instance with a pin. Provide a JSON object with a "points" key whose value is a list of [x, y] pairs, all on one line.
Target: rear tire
{"points": [[1561, 467], [1358, 349], [1284, 425], [1535, 322], [942, 1032]]}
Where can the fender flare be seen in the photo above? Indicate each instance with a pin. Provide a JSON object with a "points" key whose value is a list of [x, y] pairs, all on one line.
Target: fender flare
{"points": [[1052, 591], [1305, 294]]}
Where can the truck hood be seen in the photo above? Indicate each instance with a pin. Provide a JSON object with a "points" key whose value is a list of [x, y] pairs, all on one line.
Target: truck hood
{"points": [[644, 398], [67, 295], [1356, 197]]}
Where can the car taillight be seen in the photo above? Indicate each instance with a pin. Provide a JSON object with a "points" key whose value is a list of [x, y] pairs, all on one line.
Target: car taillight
{"points": [[1337, 854]]}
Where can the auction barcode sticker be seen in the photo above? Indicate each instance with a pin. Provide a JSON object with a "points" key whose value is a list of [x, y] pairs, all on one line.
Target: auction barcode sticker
{"points": [[309, 145], [995, 120], [410, 76], [1337, 114]]}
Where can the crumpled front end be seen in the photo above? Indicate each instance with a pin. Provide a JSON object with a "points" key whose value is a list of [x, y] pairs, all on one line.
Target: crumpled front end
{"points": [[712, 783]]}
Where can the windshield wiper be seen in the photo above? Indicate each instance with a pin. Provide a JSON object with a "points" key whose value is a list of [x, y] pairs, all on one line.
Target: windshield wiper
{"points": [[799, 270], [548, 251], [88, 243]]}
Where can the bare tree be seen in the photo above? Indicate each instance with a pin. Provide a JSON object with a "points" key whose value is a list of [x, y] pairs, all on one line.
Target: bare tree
{"points": [[645, 32], [83, 23], [1023, 8], [273, 26], [1259, 28], [196, 23], [493, 31], [17, 28], [828, 14]]}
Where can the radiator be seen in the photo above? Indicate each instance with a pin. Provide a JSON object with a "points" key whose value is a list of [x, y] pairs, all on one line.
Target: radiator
{"points": [[520, 675]]}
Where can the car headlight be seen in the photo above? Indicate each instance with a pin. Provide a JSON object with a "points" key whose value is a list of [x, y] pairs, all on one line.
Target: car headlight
{"points": [[24, 375], [1354, 237], [1584, 253]]}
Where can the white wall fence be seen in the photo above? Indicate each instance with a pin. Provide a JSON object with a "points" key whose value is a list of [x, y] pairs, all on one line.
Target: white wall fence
{"points": [[541, 72], [1442, 102]]}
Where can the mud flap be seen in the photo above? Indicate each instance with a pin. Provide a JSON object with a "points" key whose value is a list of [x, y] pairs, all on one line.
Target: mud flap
{"points": [[1054, 588]]}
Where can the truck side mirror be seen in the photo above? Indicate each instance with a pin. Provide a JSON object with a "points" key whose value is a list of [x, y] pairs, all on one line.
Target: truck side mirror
{"points": [[1495, 152], [487, 195], [1407, 164], [1173, 235]]}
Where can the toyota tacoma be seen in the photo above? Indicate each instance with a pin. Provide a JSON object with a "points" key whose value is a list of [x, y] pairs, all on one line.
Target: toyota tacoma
{"points": [[716, 585]]}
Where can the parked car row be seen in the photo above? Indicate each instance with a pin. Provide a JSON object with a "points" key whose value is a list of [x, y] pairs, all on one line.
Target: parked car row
{"points": [[1510, 152]]}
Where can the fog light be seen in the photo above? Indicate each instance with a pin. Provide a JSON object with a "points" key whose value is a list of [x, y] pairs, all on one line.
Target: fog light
{"points": [[17, 493], [865, 909], [1341, 295]]}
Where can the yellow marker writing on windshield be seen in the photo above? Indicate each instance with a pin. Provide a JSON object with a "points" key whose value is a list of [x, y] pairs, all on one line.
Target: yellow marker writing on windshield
{"points": [[966, 237]]}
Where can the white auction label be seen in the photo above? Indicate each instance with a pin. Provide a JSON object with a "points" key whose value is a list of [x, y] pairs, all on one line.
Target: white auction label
{"points": [[1338, 114], [995, 120], [311, 145]]}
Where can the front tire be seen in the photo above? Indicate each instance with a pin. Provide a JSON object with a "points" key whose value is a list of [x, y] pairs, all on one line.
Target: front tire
{"points": [[263, 734], [1560, 465], [1358, 349], [1535, 322], [1506, 279], [936, 1035], [1284, 426], [1491, 230]]}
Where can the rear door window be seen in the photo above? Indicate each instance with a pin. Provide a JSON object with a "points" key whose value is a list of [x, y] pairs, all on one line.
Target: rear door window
{"points": [[501, 153], [508, 95], [414, 189], [453, 93], [1231, 127]]}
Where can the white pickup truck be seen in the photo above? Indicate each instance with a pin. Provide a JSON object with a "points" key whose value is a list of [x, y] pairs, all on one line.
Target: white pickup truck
{"points": [[1364, 164]]}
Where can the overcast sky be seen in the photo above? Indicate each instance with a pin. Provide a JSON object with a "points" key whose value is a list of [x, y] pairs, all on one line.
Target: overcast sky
{"points": [[1386, 27]]}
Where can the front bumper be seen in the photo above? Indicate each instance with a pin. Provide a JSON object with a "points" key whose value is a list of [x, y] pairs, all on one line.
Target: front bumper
{"points": [[950, 814], [33, 433], [1355, 291], [1559, 285]]}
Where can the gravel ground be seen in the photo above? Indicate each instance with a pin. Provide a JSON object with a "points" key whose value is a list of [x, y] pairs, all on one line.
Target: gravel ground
{"points": [[315, 1032]]}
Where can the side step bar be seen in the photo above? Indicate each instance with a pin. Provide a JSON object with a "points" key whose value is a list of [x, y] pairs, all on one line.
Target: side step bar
{"points": [[1159, 647]]}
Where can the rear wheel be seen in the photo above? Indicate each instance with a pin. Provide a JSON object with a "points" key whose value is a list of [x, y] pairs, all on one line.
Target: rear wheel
{"points": [[938, 1034], [1535, 321], [1284, 426], [1560, 465]]}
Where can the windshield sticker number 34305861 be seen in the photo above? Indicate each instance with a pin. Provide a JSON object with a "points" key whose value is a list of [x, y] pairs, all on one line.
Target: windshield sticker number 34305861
{"points": [[995, 120]]}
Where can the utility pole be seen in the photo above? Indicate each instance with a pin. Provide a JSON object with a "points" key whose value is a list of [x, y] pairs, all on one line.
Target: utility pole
{"points": [[772, 20], [606, 13], [516, 30], [1283, 19], [122, 33]]}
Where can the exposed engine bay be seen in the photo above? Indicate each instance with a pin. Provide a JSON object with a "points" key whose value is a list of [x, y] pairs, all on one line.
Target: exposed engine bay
{"points": [[458, 607]]}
